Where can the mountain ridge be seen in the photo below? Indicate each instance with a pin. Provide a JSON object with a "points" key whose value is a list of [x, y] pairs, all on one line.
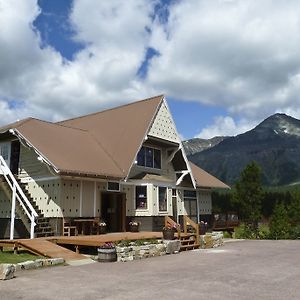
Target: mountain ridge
{"points": [[274, 144]]}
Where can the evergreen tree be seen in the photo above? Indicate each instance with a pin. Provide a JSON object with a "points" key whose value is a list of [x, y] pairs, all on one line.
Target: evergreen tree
{"points": [[249, 194], [279, 223], [294, 209]]}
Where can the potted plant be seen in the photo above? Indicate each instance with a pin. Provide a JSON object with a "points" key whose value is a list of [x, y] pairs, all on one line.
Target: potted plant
{"points": [[102, 227], [169, 232], [107, 253], [134, 226], [203, 227]]}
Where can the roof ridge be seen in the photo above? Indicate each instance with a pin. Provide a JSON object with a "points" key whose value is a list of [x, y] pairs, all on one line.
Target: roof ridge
{"points": [[57, 124], [108, 109]]}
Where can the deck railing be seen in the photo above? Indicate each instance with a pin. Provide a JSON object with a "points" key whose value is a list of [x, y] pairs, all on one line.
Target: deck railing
{"points": [[170, 223], [17, 194], [189, 222]]}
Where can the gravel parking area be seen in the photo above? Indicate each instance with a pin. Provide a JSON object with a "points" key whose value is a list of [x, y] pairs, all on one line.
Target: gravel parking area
{"points": [[238, 270]]}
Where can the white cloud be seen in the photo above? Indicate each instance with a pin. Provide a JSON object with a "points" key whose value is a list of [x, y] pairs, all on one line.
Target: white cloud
{"points": [[242, 55], [102, 74], [239, 55], [225, 126]]}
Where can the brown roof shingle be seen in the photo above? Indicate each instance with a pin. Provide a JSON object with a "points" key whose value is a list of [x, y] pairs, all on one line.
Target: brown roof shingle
{"points": [[205, 180], [100, 144]]}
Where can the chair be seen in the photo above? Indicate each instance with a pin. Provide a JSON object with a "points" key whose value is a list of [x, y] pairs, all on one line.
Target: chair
{"points": [[95, 225], [68, 228]]}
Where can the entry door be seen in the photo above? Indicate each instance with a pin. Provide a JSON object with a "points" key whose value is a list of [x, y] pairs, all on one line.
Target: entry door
{"points": [[5, 152], [113, 211]]}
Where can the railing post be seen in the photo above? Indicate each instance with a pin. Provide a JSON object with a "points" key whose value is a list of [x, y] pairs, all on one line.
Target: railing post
{"points": [[13, 213], [32, 226]]}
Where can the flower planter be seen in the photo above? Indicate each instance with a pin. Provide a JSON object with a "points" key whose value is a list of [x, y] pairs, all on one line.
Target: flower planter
{"points": [[168, 234], [107, 254], [102, 229], [134, 228]]}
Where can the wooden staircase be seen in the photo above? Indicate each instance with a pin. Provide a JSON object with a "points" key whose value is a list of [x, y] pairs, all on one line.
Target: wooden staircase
{"points": [[189, 237], [43, 227]]}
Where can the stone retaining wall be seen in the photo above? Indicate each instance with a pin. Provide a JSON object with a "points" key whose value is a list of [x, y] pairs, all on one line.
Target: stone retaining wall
{"points": [[211, 240], [7, 271]]}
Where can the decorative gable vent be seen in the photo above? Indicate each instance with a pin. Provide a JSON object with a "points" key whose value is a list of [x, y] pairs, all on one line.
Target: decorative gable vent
{"points": [[163, 126]]}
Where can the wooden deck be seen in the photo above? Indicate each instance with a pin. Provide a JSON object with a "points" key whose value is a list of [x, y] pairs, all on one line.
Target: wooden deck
{"points": [[98, 240], [50, 246], [43, 247]]}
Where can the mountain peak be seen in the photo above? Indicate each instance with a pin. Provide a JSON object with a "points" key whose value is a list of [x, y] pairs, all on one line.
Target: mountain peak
{"points": [[280, 123]]}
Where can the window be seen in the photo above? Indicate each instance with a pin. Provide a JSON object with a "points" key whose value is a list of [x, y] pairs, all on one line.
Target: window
{"points": [[162, 198], [190, 203], [149, 157], [141, 197], [113, 186]]}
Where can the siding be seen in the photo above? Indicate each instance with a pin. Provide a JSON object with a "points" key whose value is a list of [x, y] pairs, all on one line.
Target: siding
{"points": [[30, 166]]}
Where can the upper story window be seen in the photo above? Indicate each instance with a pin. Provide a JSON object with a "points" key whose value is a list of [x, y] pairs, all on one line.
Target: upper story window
{"points": [[149, 157]]}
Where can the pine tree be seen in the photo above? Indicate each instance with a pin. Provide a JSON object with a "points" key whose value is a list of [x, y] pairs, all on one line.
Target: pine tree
{"points": [[249, 194], [279, 223]]}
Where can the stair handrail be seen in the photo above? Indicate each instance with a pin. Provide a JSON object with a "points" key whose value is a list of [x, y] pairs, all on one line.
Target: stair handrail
{"points": [[20, 196], [187, 221], [170, 223]]}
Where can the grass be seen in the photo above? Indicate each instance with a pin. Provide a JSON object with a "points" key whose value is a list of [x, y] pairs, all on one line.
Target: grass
{"points": [[8, 256]]}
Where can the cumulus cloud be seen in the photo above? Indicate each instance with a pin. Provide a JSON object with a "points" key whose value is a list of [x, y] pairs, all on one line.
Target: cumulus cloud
{"points": [[239, 55], [225, 126], [242, 55]]}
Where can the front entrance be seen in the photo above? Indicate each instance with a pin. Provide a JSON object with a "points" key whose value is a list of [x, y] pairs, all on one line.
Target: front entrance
{"points": [[113, 211]]}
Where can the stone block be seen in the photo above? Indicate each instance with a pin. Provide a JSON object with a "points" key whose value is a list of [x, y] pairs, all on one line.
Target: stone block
{"points": [[172, 246], [7, 271]]}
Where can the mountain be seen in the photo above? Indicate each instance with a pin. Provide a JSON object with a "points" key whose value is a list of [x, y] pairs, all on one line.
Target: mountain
{"points": [[274, 144], [196, 145]]}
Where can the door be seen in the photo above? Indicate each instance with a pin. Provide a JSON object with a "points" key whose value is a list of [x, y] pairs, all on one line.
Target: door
{"points": [[5, 152], [14, 157], [113, 211]]}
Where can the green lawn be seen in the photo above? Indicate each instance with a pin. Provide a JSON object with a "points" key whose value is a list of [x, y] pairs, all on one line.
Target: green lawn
{"points": [[8, 256]]}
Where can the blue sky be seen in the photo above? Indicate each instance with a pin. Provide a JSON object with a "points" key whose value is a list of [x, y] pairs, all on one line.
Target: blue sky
{"points": [[224, 65]]}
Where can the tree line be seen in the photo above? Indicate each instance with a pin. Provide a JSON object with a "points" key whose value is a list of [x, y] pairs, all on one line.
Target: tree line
{"points": [[265, 213]]}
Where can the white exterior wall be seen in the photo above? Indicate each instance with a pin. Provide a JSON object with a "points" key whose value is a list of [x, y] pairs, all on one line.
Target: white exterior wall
{"points": [[5, 205], [205, 203]]}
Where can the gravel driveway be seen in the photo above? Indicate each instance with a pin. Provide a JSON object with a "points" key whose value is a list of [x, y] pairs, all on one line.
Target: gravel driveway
{"points": [[238, 270]]}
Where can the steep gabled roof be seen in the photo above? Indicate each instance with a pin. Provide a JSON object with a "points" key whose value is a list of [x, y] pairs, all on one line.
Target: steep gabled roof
{"points": [[61, 147], [100, 144], [206, 180], [121, 130]]}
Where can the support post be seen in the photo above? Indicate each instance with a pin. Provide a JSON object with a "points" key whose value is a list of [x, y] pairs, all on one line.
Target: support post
{"points": [[32, 224], [13, 213]]}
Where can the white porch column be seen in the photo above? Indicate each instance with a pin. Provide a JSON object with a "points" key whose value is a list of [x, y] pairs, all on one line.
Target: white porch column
{"points": [[198, 206], [13, 213], [80, 204]]}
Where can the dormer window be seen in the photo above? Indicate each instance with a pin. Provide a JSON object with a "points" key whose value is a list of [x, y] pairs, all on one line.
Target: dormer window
{"points": [[149, 157]]}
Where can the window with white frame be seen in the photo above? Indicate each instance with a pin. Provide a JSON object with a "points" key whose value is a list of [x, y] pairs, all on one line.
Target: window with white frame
{"points": [[149, 157], [141, 197], [162, 199]]}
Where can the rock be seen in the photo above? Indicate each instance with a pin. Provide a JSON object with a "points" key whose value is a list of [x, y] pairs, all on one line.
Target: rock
{"points": [[172, 246], [7, 271]]}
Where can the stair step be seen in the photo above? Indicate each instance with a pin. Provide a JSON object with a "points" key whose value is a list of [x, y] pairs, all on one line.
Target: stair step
{"points": [[189, 247]]}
